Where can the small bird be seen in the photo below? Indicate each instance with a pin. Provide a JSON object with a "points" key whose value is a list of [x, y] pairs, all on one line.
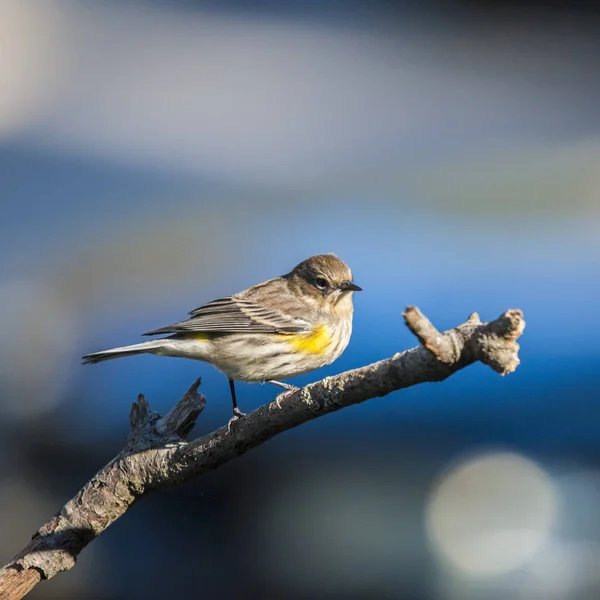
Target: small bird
{"points": [[276, 329]]}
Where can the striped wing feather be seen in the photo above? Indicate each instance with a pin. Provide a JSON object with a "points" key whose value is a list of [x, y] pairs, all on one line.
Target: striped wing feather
{"points": [[235, 315]]}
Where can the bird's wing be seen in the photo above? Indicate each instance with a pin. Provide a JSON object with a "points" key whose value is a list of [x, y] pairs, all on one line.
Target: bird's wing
{"points": [[235, 315]]}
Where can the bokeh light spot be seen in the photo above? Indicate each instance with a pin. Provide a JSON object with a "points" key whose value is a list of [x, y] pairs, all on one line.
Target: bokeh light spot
{"points": [[490, 513]]}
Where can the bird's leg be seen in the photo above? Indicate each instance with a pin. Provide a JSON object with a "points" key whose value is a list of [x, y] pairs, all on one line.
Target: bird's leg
{"points": [[286, 386], [237, 413]]}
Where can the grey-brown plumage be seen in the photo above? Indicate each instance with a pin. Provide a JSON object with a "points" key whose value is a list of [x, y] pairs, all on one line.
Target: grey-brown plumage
{"points": [[276, 329]]}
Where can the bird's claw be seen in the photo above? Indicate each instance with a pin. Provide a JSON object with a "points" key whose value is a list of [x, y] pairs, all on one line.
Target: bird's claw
{"points": [[288, 387], [237, 415]]}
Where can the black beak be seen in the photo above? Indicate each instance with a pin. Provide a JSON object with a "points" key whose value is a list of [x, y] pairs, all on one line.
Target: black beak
{"points": [[349, 286]]}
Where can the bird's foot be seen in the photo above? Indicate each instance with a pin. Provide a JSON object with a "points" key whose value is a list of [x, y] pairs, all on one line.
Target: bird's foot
{"points": [[286, 386], [237, 415]]}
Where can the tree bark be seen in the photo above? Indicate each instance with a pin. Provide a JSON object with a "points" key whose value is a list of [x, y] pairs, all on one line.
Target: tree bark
{"points": [[158, 455]]}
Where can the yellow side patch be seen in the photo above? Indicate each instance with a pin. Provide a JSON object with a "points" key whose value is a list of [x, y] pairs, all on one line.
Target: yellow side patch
{"points": [[315, 342], [199, 337]]}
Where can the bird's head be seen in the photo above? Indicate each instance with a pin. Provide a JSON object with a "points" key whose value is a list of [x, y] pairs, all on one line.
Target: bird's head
{"points": [[325, 280]]}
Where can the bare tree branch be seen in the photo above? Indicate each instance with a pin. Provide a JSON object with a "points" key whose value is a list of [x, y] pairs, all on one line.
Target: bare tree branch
{"points": [[157, 454]]}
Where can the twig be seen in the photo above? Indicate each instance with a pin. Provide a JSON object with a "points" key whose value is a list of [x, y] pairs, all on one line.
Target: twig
{"points": [[157, 454]]}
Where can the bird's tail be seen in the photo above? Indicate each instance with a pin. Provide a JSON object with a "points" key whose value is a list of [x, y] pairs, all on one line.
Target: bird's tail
{"points": [[152, 347]]}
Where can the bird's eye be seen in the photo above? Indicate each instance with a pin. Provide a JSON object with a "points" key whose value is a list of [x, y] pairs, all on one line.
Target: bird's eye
{"points": [[321, 283]]}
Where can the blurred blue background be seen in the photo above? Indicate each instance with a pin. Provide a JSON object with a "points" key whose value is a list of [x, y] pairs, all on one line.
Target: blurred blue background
{"points": [[157, 155]]}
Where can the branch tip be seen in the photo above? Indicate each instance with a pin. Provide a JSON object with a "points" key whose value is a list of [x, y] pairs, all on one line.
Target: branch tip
{"points": [[492, 343], [180, 420], [437, 343], [516, 322], [139, 412]]}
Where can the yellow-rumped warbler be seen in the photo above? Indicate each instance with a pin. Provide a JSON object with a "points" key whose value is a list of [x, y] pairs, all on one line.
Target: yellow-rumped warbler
{"points": [[276, 329]]}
